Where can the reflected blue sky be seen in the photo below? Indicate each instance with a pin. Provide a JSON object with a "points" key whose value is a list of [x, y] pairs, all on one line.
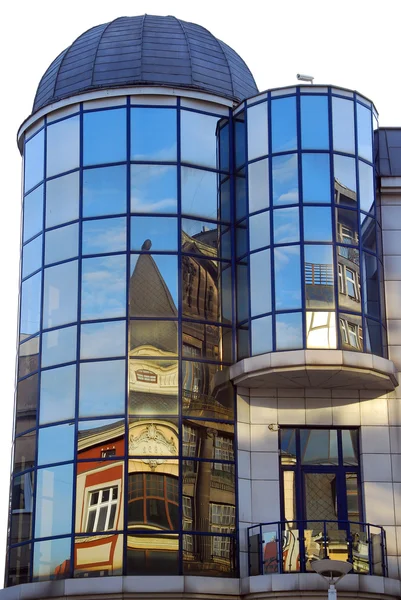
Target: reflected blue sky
{"points": [[198, 138], [57, 394], [261, 331], [48, 555], [260, 283], [343, 125], [56, 444], [33, 213], [258, 185], [103, 287], [285, 179], [154, 134], [317, 224], [198, 192], [102, 388], [161, 231], [105, 136], [319, 254], [104, 191], [30, 304], [257, 130], [100, 340], [62, 140], [286, 225], [61, 243], [284, 124], [104, 235], [53, 501], [366, 188], [60, 296], [32, 256], [62, 199], [344, 171], [287, 277], [259, 230], [34, 160], [153, 188], [316, 177], [59, 346], [289, 331], [364, 121], [314, 122]]}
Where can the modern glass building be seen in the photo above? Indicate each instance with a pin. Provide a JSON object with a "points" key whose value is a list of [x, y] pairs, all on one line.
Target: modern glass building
{"points": [[207, 382]]}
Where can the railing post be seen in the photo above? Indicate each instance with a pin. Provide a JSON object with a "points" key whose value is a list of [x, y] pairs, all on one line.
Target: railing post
{"points": [[370, 553], [325, 539], [280, 547], [384, 552]]}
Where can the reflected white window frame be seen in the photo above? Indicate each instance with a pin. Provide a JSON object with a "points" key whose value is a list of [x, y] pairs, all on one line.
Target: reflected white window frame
{"points": [[28, 495], [351, 283], [351, 334], [96, 508]]}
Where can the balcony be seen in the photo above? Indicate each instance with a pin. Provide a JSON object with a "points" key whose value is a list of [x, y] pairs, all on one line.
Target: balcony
{"points": [[290, 546]]}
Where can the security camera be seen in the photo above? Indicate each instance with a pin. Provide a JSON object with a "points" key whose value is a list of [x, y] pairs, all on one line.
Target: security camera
{"points": [[305, 78]]}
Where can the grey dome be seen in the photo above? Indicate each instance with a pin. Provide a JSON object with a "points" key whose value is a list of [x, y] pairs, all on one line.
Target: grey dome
{"points": [[146, 50]]}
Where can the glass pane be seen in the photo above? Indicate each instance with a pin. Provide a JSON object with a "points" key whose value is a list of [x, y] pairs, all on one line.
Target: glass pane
{"points": [[153, 386], [366, 188], [27, 401], [30, 305], [101, 340], [19, 565], [343, 125], [217, 552], [240, 195], [284, 124], [53, 501], [288, 452], [104, 191], [62, 140], [90, 559], [285, 179], [321, 504], [364, 119], [347, 226], [316, 178], [257, 130], [319, 277], [153, 437], [153, 189], [51, 559], [321, 330], [202, 394], [62, 199], [225, 201], [243, 290], [204, 237], [314, 122], [239, 131], [289, 331], [368, 233], [57, 394], [259, 230], [317, 224], [287, 277], [261, 331], [60, 294], [350, 447], [24, 452], [198, 138], [370, 282], [260, 281], [153, 288], [353, 501], [104, 235], [105, 136], [156, 233], [153, 134], [28, 357], [373, 340], [241, 237], [348, 278], [224, 145], [154, 338], [56, 444], [99, 498], [200, 289], [285, 225], [152, 555], [258, 185], [198, 193], [102, 388], [32, 256], [103, 287], [34, 155], [33, 213], [205, 341], [59, 346], [21, 508], [61, 243], [319, 447], [243, 350], [225, 286], [344, 180]]}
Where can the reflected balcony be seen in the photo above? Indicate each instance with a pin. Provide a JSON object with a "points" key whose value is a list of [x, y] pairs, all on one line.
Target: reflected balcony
{"points": [[291, 546]]}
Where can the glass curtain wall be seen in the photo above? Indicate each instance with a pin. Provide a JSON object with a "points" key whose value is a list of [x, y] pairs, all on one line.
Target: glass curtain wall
{"points": [[124, 422], [308, 236]]}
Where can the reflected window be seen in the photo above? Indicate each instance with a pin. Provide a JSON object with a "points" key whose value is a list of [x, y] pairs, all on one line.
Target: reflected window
{"points": [[200, 289], [33, 213], [62, 199], [62, 140], [59, 346], [351, 332], [153, 500], [103, 287], [198, 138], [24, 452], [32, 256], [102, 388], [285, 179], [34, 153], [105, 136], [343, 125], [284, 124], [102, 509], [287, 277], [317, 224], [260, 281], [57, 394], [198, 193], [289, 331], [153, 189], [153, 287], [257, 130], [61, 244], [104, 191], [156, 233], [153, 134], [319, 276], [285, 225], [347, 226], [314, 122], [316, 186], [60, 296], [103, 236], [30, 305], [261, 331], [100, 340], [153, 386], [258, 185], [54, 501]]}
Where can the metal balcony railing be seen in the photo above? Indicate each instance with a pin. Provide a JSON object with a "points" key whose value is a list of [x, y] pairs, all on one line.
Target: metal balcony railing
{"points": [[291, 546]]}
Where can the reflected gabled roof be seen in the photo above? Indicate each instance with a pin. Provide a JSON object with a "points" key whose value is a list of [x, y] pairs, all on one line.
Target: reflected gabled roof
{"points": [[146, 50]]}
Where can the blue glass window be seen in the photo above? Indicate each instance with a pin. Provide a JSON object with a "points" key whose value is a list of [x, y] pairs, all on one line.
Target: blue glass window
{"points": [[60, 301], [33, 213], [259, 231], [32, 256], [160, 274], [59, 346], [284, 124], [56, 444], [61, 243], [287, 277], [366, 187], [239, 130], [343, 125], [62, 199], [319, 276], [364, 122], [48, 556], [198, 193], [344, 180], [285, 179], [261, 331], [260, 283], [34, 158], [198, 138], [317, 224], [153, 134], [102, 340], [54, 501], [102, 388], [62, 146], [257, 130], [30, 305], [57, 394], [258, 185], [153, 189], [103, 287], [314, 123], [316, 177], [104, 191], [103, 236], [105, 136], [289, 331], [156, 233], [286, 225]]}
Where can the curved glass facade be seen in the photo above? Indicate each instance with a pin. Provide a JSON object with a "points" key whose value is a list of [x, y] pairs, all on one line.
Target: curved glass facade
{"points": [[124, 421], [308, 235]]}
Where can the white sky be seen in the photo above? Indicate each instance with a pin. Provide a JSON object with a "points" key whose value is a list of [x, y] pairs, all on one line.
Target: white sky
{"points": [[350, 43]]}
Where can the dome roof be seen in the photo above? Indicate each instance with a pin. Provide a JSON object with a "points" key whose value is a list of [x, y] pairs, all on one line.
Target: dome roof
{"points": [[146, 50]]}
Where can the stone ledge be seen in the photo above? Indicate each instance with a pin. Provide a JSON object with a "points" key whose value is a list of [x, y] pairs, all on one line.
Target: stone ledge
{"points": [[315, 369]]}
